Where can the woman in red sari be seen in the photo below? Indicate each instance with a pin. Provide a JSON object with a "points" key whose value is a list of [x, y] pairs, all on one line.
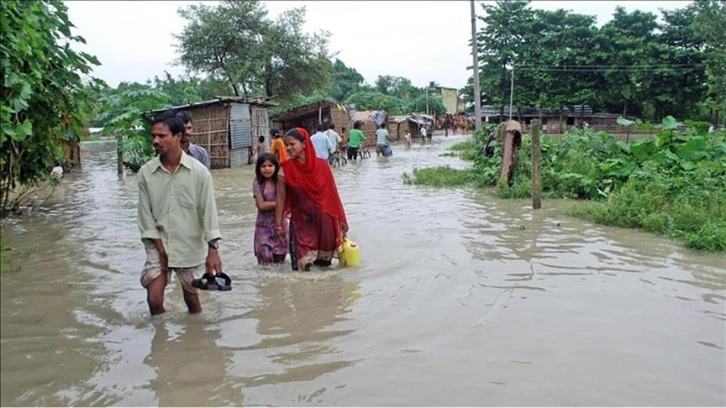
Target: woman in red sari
{"points": [[308, 196]]}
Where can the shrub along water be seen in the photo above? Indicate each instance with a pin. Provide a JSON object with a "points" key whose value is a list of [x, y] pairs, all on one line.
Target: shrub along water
{"points": [[672, 184]]}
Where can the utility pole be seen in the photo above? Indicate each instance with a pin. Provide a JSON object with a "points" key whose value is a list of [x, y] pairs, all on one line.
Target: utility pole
{"points": [[511, 92], [427, 101], [475, 71]]}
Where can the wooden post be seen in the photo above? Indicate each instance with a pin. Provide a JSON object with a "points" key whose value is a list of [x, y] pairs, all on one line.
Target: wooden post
{"points": [[320, 114], [119, 154], [505, 139], [536, 167]]}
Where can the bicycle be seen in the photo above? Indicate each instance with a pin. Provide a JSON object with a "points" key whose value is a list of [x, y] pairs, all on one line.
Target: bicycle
{"points": [[337, 159], [363, 151]]}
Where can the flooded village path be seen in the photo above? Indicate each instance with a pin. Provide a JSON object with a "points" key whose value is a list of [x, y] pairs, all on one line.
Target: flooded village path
{"points": [[461, 299]]}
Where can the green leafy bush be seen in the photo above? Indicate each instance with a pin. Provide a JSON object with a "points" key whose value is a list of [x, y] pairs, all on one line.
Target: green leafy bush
{"points": [[672, 184]]}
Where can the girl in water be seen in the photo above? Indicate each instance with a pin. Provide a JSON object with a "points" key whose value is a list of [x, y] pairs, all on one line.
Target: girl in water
{"points": [[270, 247]]}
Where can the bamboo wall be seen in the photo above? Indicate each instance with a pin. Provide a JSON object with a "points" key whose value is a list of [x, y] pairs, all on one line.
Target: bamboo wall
{"points": [[340, 118], [369, 128], [260, 126], [396, 131], [211, 130]]}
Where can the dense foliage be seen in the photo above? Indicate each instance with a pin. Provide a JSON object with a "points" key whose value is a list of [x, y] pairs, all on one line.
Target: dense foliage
{"points": [[673, 183], [235, 42], [44, 98], [633, 64], [123, 115]]}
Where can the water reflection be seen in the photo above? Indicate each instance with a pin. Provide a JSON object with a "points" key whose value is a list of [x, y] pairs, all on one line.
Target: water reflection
{"points": [[492, 302], [298, 321], [190, 366]]}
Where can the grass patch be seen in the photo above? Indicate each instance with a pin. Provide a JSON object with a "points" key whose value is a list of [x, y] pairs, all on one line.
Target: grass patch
{"points": [[10, 259], [672, 184], [696, 216], [441, 176]]}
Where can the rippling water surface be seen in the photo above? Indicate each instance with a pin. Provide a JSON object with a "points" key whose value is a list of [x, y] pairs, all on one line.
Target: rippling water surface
{"points": [[461, 299]]}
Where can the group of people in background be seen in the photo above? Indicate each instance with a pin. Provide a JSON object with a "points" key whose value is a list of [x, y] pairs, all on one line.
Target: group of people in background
{"points": [[454, 122]]}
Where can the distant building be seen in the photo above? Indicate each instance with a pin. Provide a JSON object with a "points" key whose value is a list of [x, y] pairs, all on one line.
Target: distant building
{"points": [[569, 117], [450, 98]]}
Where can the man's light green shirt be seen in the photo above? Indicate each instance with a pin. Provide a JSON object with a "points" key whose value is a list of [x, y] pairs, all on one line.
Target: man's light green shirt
{"points": [[178, 208]]}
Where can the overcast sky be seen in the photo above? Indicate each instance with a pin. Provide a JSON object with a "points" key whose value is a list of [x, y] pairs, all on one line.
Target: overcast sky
{"points": [[422, 40]]}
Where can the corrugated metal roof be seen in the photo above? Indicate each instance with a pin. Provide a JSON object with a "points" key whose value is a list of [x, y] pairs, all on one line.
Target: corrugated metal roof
{"points": [[303, 110], [397, 119], [220, 99]]}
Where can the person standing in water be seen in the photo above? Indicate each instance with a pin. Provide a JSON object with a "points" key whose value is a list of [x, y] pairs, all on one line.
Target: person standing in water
{"points": [[382, 142], [277, 147], [196, 151], [355, 138], [308, 196], [268, 246], [177, 216]]}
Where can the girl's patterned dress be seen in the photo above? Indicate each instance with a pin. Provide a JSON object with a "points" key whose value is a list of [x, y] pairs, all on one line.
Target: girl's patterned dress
{"points": [[269, 248]]}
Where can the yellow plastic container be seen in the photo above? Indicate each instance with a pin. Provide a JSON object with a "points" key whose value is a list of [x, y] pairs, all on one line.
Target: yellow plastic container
{"points": [[349, 253]]}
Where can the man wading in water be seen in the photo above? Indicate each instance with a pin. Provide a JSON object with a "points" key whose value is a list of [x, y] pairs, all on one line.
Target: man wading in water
{"points": [[177, 217]]}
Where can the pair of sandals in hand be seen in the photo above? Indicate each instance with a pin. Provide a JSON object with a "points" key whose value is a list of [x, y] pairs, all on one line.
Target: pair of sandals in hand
{"points": [[220, 281]]}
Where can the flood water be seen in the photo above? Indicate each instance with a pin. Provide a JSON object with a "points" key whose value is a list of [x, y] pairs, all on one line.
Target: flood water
{"points": [[460, 299]]}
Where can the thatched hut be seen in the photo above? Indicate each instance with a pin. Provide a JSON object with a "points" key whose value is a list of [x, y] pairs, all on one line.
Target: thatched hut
{"points": [[228, 127], [308, 116], [398, 125], [370, 120]]}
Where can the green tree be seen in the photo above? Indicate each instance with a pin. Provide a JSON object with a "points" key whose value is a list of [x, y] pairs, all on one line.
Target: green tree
{"points": [[397, 86], [180, 91], [434, 104], [625, 49], [500, 43], [632, 64], [222, 41], [294, 62], [710, 24], [366, 100], [123, 115], [344, 82], [555, 46], [675, 85], [235, 41], [44, 97]]}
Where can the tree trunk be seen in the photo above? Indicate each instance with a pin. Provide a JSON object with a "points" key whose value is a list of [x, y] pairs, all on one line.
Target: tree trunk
{"points": [[268, 88]]}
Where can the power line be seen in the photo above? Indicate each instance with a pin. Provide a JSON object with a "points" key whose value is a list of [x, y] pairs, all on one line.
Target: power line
{"points": [[631, 69], [610, 66]]}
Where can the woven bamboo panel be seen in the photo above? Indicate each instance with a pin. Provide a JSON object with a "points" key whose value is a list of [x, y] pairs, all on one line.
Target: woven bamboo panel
{"points": [[211, 130], [260, 126], [393, 128], [369, 130], [340, 118]]}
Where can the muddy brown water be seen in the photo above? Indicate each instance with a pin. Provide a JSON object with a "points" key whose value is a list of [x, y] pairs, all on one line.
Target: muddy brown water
{"points": [[461, 299]]}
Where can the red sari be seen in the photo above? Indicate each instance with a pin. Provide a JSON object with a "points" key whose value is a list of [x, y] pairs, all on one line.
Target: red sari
{"points": [[317, 217]]}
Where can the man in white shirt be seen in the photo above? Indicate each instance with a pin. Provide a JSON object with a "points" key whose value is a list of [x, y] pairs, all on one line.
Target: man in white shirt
{"points": [[321, 142], [334, 137]]}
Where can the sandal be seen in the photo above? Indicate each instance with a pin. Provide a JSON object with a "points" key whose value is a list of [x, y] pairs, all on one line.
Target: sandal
{"points": [[220, 282]]}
